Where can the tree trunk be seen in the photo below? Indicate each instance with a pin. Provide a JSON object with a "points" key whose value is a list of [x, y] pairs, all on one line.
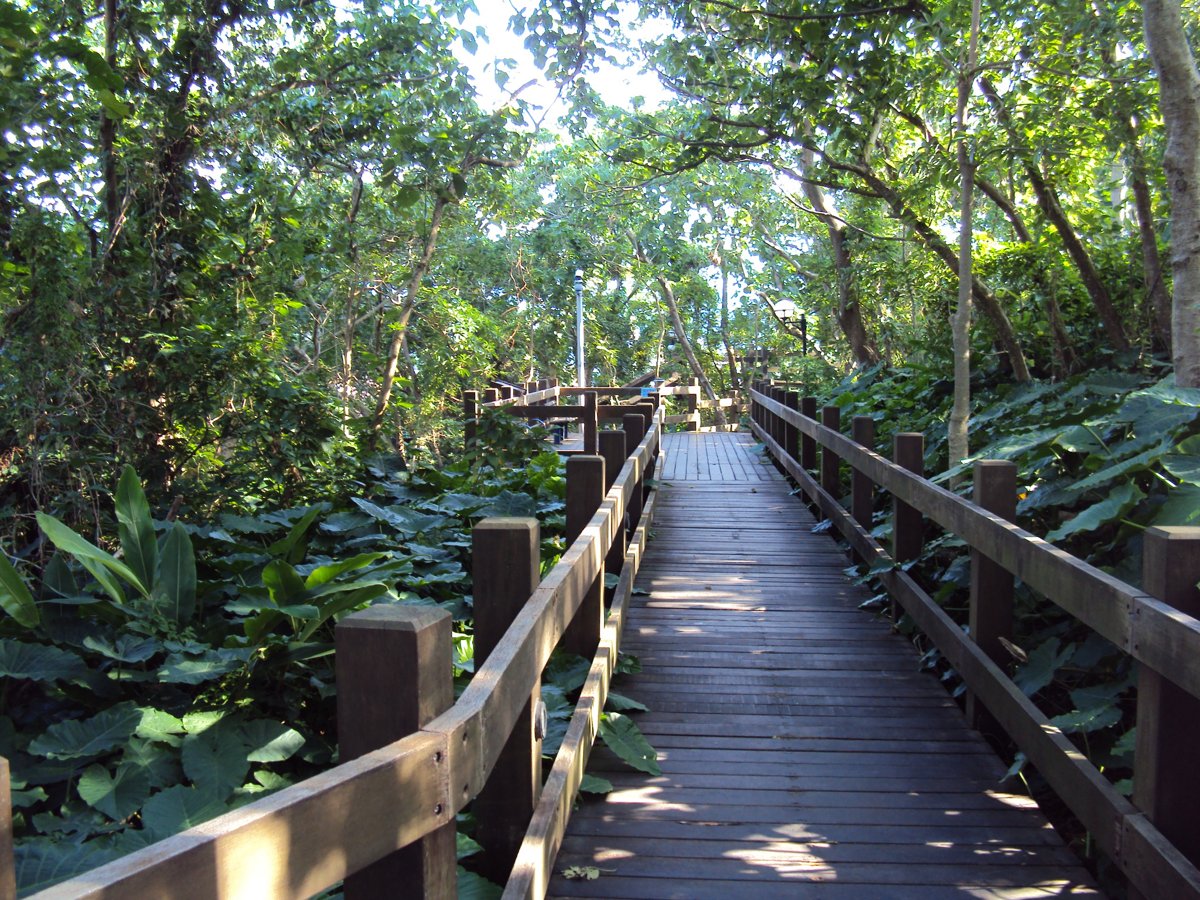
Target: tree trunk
{"points": [[1156, 286], [420, 267], [960, 412], [730, 358], [668, 295], [108, 129], [1052, 208]]}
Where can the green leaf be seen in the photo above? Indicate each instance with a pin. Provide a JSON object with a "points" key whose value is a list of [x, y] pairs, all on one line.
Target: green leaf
{"points": [[15, 597], [283, 583], [215, 760], [1182, 507], [465, 846], [625, 739], [38, 662], [1134, 464], [268, 741], [323, 574], [78, 738], [1043, 663], [1185, 467], [178, 808], [593, 784], [182, 668], [42, 862], [126, 648], [293, 547], [160, 725], [621, 703], [351, 596], [99, 563], [1087, 720], [1120, 500], [117, 795], [475, 887], [135, 528], [175, 584]]}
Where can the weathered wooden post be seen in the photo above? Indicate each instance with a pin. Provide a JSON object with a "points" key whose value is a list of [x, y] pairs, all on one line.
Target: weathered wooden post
{"points": [[490, 395], [774, 423], [1166, 782], [394, 670], [831, 481], [648, 409], [808, 445], [8, 868], [470, 407], [506, 558], [791, 434], [612, 448], [635, 430], [590, 424], [506, 392], [908, 526], [693, 404], [991, 605], [862, 501], [585, 493]]}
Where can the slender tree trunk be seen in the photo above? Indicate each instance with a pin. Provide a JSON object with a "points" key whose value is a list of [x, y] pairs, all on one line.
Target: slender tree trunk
{"points": [[960, 412], [668, 295], [1052, 208], [1156, 285], [108, 129], [730, 358], [1179, 100], [420, 267]]}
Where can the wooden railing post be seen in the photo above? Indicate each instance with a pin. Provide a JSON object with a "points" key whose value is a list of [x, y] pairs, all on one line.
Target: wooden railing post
{"points": [[590, 423], [585, 493], [395, 673], [791, 434], [612, 448], [908, 526], [862, 501], [635, 430], [831, 480], [776, 427], [506, 557], [1166, 782], [648, 409], [808, 445], [490, 395], [991, 605], [693, 398], [8, 867], [470, 408]]}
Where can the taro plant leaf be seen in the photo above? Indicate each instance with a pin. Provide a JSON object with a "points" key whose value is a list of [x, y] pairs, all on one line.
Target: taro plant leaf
{"points": [[161, 764], [324, 574], [284, 583], [465, 846], [177, 808], [594, 784], [1087, 719], [41, 862], [135, 528], [58, 577], [625, 739], [186, 668], [15, 597], [1182, 507], [77, 738], [175, 584], [215, 760], [100, 564], [268, 741], [293, 547], [118, 795], [472, 886], [1044, 661], [38, 662], [1134, 464], [1184, 463], [1127, 744], [621, 703], [1120, 501], [126, 648], [160, 725]]}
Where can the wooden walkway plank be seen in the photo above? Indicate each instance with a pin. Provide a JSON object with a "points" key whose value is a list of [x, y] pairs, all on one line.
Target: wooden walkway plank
{"points": [[803, 754]]}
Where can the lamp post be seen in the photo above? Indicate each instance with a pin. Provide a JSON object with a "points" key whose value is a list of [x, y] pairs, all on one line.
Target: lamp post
{"points": [[582, 379], [786, 311]]}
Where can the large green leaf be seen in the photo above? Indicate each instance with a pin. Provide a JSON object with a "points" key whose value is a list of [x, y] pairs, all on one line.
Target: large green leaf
{"points": [[215, 760], [117, 795], [135, 528], [1038, 670], [100, 564], [346, 597], [625, 739], [475, 887], [1087, 720], [187, 668], [126, 648], [160, 725], [267, 741], [1119, 501], [178, 808], [175, 584], [1137, 463], [293, 547], [15, 596], [42, 862], [1184, 463], [39, 662], [284, 584], [77, 738], [324, 574], [1182, 507]]}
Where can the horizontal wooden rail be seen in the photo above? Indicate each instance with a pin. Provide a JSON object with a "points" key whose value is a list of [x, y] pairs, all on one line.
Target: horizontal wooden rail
{"points": [[306, 837], [1154, 865]]}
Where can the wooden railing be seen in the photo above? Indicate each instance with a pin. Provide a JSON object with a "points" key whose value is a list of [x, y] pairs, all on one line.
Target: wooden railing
{"points": [[1155, 839], [412, 758]]}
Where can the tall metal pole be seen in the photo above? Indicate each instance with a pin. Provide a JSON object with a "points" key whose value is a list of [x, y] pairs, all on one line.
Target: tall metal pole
{"points": [[579, 328]]}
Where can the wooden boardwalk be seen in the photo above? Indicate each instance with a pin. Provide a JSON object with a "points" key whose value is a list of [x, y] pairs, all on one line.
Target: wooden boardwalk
{"points": [[803, 753]]}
